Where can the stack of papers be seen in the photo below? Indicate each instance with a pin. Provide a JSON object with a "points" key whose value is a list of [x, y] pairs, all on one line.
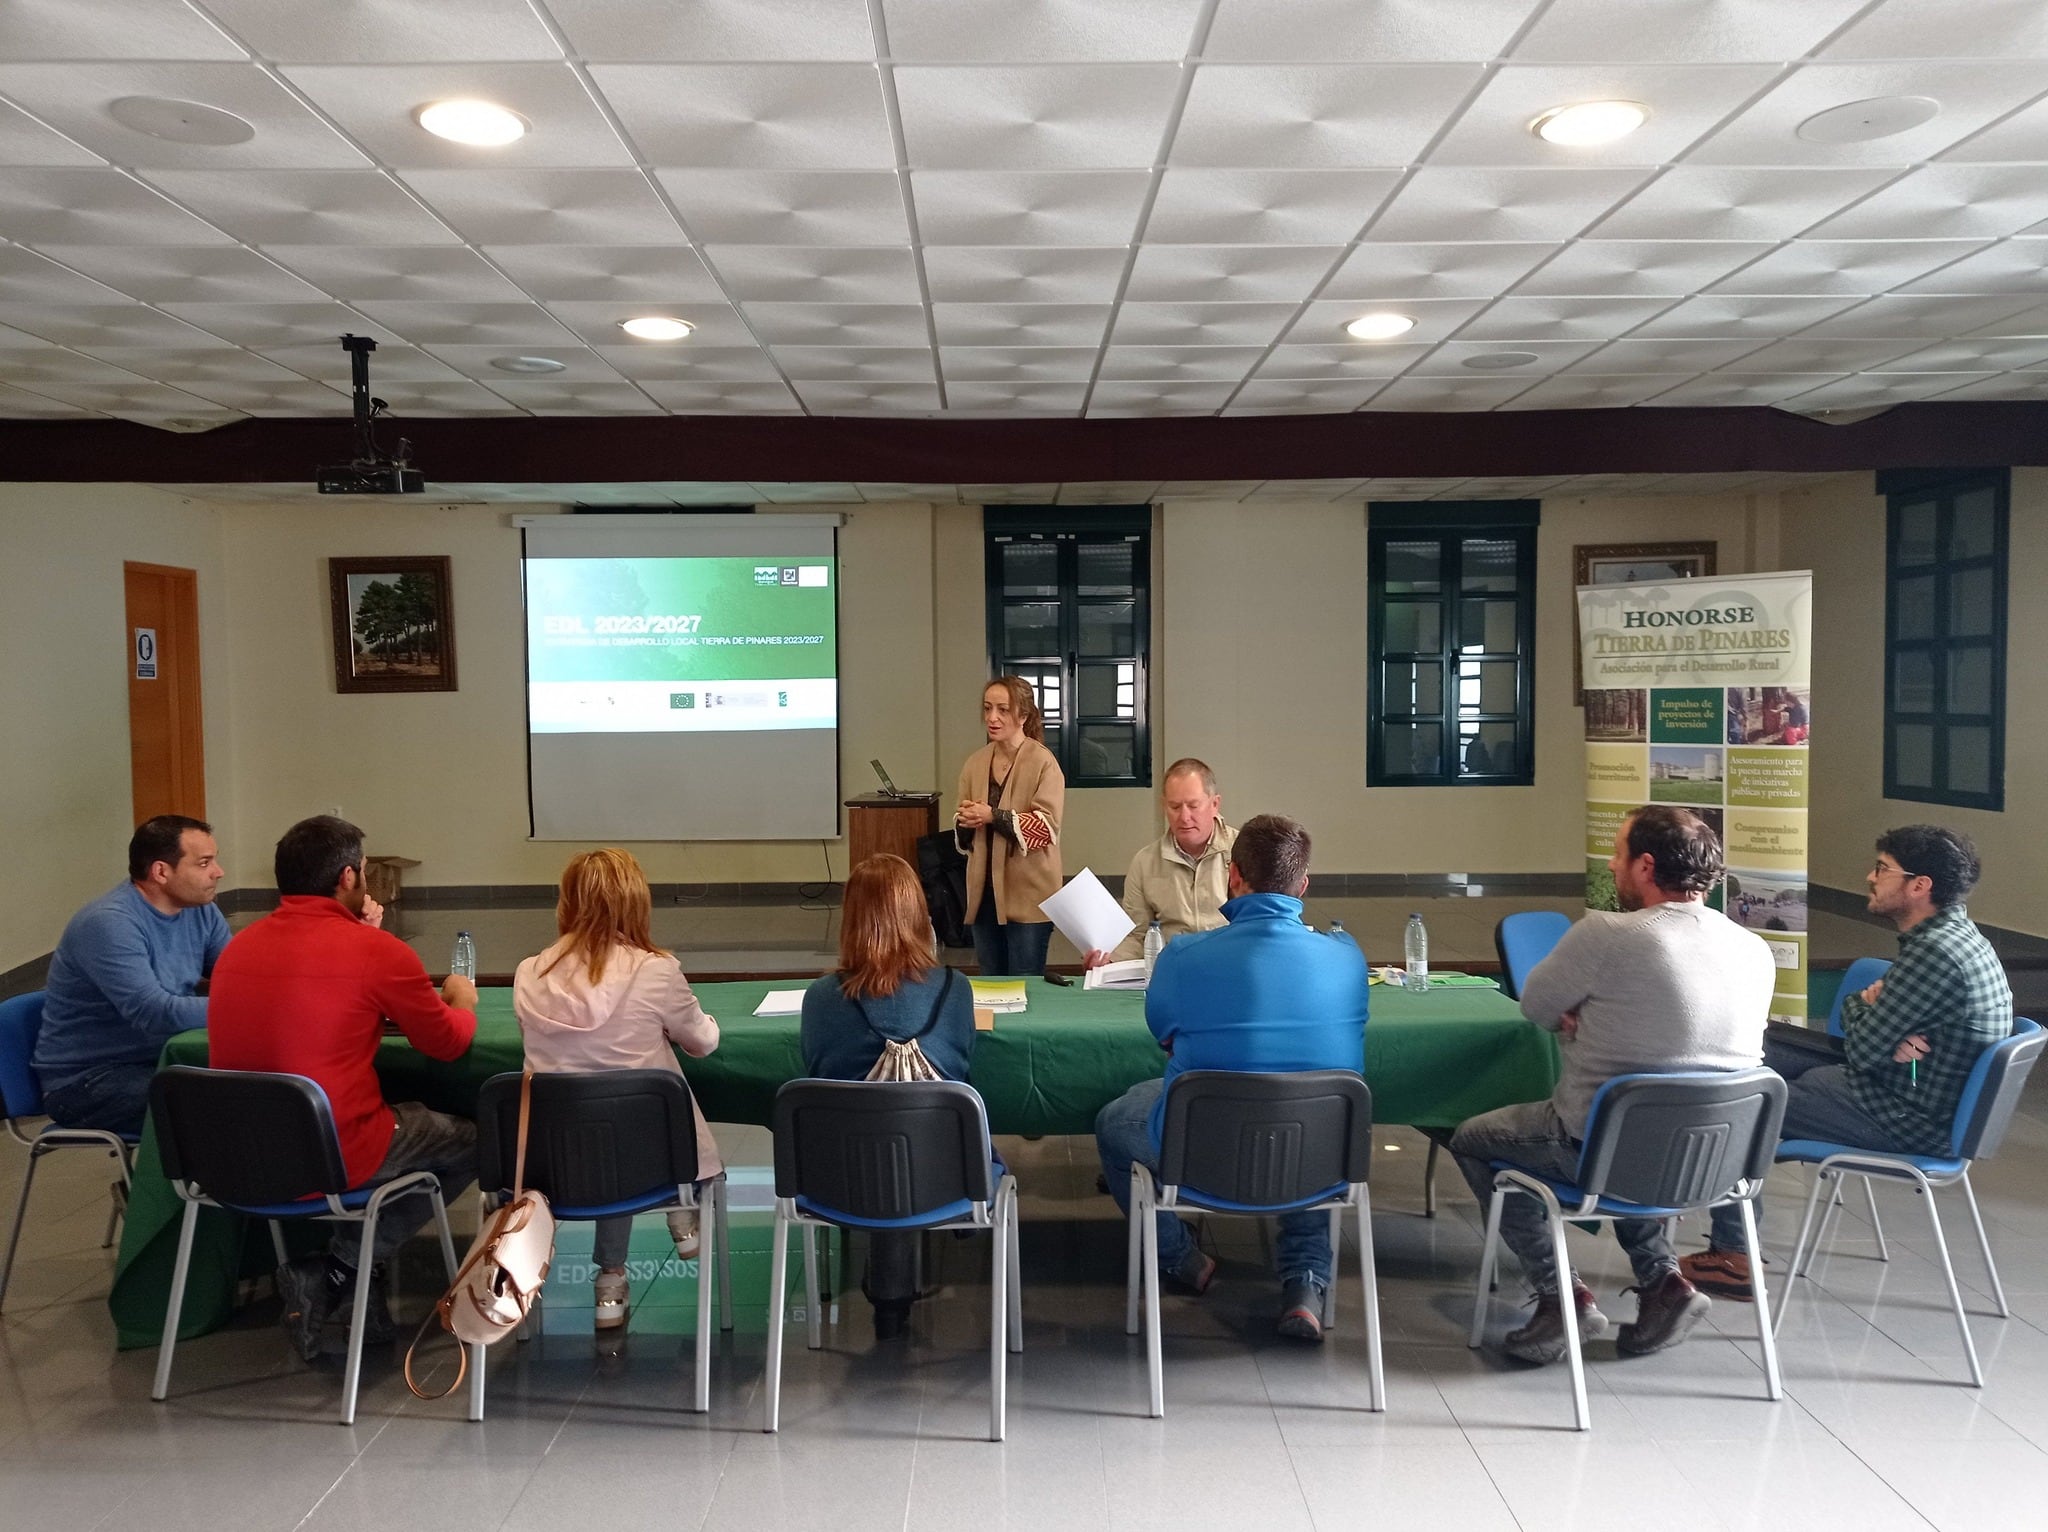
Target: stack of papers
{"points": [[1129, 975], [781, 1002], [999, 994]]}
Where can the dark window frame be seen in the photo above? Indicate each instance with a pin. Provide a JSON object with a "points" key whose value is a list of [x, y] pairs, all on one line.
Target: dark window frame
{"points": [[1068, 529], [1904, 491], [1450, 524]]}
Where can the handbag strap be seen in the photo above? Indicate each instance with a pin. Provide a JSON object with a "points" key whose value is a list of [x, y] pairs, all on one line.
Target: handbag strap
{"points": [[931, 1020], [525, 1114]]}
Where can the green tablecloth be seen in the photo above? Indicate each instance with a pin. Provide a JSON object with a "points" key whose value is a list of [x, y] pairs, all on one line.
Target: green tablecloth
{"points": [[1432, 1060]]}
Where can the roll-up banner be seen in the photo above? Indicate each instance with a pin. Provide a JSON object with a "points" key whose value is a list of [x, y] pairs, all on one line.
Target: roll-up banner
{"points": [[1699, 692]]}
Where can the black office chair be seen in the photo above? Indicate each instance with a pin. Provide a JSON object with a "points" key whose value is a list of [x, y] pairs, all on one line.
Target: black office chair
{"points": [[909, 1154], [264, 1146], [1656, 1146], [1253, 1145], [601, 1144]]}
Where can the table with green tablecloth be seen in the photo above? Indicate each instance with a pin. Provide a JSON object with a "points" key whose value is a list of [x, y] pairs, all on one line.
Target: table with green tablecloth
{"points": [[1432, 1061]]}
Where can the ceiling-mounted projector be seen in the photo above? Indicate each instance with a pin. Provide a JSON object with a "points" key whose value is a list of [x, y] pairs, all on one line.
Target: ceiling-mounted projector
{"points": [[371, 472]]}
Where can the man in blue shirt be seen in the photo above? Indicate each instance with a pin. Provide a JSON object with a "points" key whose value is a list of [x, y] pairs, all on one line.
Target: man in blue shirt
{"points": [[124, 975], [1264, 994]]}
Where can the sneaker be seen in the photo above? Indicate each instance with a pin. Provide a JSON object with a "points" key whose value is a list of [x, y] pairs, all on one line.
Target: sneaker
{"points": [[1541, 1340], [682, 1228], [611, 1291], [1195, 1273], [1301, 1311], [302, 1285], [1665, 1315], [379, 1329], [1721, 1273], [892, 1319]]}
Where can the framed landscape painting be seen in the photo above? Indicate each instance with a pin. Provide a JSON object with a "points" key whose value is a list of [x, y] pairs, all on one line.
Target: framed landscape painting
{"points": [[1630, 564], [394, 625]]}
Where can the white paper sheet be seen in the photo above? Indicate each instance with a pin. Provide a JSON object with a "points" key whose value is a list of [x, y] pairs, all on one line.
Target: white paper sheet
{"points": [[781, 1002], [1129, 975], [1087, 914]]}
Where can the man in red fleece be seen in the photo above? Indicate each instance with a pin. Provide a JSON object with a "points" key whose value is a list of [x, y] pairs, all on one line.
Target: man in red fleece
{"points": [[305, 991]]}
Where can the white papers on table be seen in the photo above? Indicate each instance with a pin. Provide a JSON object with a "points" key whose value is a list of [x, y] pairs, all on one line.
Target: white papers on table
{"points": [[1129, 975], [1086, 914], [781, 1002]]}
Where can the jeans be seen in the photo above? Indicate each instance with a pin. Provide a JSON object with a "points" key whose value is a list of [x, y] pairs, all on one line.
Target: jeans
{"points": [[892, 1266], [611, 1239], [1533, 1137], [1817, 1105], [424, 1140], [110, 1096], [1009, 946], [1123, 1137]]}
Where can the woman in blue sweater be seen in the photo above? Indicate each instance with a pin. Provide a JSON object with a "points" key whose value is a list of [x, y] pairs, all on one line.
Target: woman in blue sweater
{"points": [[890, 987]]}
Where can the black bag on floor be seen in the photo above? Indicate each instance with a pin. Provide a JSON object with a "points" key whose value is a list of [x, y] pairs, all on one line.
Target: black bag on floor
{"points": [[942, 868]]}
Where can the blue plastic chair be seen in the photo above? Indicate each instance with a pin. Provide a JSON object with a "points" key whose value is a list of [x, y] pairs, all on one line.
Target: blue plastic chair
{"points": [[1656, 1146], [21, 1096], [1858, 976], [1982, 1115]]}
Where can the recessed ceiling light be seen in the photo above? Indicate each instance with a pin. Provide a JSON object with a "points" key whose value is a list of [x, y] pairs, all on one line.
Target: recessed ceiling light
{"points": [[1381, 326], [483, 124], [180, 122], [1499, 361], [654, 327], [528, 364], [1858, 122], [1589, 123]]}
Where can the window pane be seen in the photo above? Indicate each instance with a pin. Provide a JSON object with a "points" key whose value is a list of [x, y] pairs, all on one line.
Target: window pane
{"points": [[1045, 681], [1488, 749], [1489, 564], [1105, 749], [1413, 749], [1414, 627], [1105, 569], [1106, 627], [1916, 533], [1488, 625], [1913, 754], [1052, 736], [1486, 686], [1031, 569], [1913, 608], [1913, 681], [1031, 627], [1106, 691], [1972, 521], [1413, 687], [1969, 602], [1969, 759], [1969, 682], [1414, 567]]}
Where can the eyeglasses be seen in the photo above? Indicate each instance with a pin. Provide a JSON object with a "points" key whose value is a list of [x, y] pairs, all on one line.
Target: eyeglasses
{"points": [[1880, 868]]}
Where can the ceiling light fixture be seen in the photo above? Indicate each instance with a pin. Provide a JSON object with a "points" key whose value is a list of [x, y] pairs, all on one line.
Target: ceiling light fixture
{"points": [[1381, 326], [657, 327], [180, 122], [1500, 361], [528, 364], [481, 124], [1590, 123], [1859, 122]]}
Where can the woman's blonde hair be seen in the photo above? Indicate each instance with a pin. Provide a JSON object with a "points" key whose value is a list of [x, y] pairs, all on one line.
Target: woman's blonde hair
{"points": [[604, 903], [885, 931], [1024, 701]]}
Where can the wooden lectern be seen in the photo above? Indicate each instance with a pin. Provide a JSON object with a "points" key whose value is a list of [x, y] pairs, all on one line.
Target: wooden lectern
{"points": [[876, 822]]}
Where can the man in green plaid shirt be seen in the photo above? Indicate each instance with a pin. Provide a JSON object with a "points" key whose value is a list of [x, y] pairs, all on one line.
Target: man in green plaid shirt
{"points": [[1909, 1041]]}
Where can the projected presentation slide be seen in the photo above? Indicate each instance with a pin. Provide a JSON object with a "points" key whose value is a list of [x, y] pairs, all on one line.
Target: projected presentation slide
{"points": [[681, 645]]}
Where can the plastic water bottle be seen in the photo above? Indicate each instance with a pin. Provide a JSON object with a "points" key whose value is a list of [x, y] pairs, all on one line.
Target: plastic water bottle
{"points": [[1155, 943], [1336, 928], [463, 960], [1415, 945]]}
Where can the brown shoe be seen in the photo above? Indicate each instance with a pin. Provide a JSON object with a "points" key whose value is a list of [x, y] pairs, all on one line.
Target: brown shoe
{"points": [[1720, 1273], [1541, 1340], [1665, 1315]]}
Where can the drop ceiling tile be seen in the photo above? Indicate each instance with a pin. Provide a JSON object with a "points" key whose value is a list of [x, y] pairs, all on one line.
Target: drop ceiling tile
{"points": [[318, 207], [431, 400], [90, 207], [1065, 30], [747, 207], [718, 398], [1316, 116], [20, 404], [1008, 494], [1016, 364], [1473, 392], [1582, 390], [388, 31], [1689, 99], [108, 29], [2011, 266], [1924, 317], [1448, 360], [193, 367], [1378, 272], [1991, 29], [826, 398], [1739, 316], [1519, 319], [1947, 202], [686, 31], [1201, 324], [2027, 321], [1119, 493], [574, 396], [752, 116], [1207, 489], [1023, 273], [657, 274], [1020, 324], [474, 361], [858, 364], [1832, 355], [26, 142], [2021, 137], [1871, 388], [76, 99], [55, 364], [267, 326], [1180, 364], [26, 277], [1323, 490], [1766, 30], [817, 273], [185, 273], [597, 322], [2007, 385], [1016, 398], [1322, 323], [1983, 354], [1635, 357], [1047, 117], [288, 400], [390, 365], [882, 494], [686, 364], [1492, 203], [841, 324], [1590, 268], [549, 207], [1228, 273], [808, 494], [88, 325], [129, 399], [1845, 266], [1199, 206], [1359, 362], [1368, 30], [14, 342], [481, 324], [1121, 397], [374, 104], [402, 272], [1971, 94], [1737, 202]]}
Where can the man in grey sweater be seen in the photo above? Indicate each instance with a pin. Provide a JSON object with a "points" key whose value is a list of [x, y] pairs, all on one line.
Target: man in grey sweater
{"points": [[1667, 985]]}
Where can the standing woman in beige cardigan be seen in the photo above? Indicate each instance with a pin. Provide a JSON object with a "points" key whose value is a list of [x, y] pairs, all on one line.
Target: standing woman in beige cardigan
{"points": [[1012, 796]]}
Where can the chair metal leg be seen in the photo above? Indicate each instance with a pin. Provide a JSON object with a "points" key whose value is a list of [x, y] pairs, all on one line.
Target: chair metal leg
{"points": [[1134, 1254], [476, 1380], [1948, 1272], [1766, 1332], [1984, 1244], [1376, 1382], [1016, 1316], [707, 1232], [1429, 1180], [1568, 1310], [778, 1300], [277, 1245], [1801, 1251], [20, 1217], [352, 1370], [1884, 1252], [721, 1197], [814, 1318], [173, 1309], [998, 1319], [1488, 1255], [1336, 1265], [1142, 1210], [1830, 1213]]}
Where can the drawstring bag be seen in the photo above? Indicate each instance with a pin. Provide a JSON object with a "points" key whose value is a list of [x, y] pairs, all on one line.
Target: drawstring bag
{"points": [[901, 1058]]}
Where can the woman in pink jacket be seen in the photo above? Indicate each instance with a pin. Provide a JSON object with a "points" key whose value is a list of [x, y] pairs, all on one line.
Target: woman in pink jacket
{"points": [[605, 997]]}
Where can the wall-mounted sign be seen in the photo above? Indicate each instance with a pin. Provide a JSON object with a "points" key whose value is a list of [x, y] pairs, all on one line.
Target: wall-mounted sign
{"points": [[145, 654]]}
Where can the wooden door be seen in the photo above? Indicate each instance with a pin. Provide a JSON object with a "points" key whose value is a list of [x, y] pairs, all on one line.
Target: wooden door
{"points": [[166, 743]]}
